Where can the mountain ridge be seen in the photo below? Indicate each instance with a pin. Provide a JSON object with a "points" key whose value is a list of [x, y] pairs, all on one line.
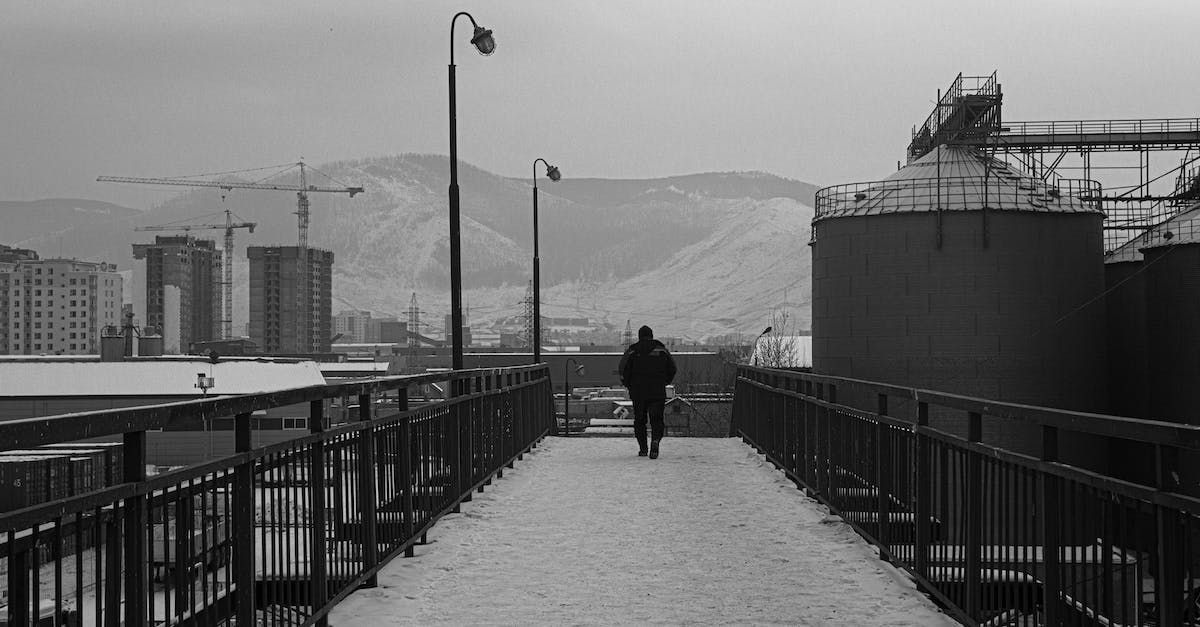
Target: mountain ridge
{"points": [[719, 244]]}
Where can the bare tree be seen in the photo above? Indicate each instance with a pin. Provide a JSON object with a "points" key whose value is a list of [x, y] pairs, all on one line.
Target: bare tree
{"points": [[775, 348]]}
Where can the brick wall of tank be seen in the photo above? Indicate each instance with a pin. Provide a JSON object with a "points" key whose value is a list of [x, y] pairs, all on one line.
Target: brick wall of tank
{"points": [[1006, 320]]}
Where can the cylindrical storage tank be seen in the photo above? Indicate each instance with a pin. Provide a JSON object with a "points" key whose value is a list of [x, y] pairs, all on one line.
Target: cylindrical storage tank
{"points": [[1125, 307], [961, 274], [1172, 277]]}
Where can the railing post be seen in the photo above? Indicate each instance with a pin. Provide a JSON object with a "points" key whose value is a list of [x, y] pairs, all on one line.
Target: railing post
{"points": [[316, 474], [821, 480], [808, 417], [243, 524], [18, 588], [408, 466], [1051, 542], [134, 520], [883, 472], [974, 540], [366, 489], [452, 455], [924, 514], [1170, 547], [831, 425]]}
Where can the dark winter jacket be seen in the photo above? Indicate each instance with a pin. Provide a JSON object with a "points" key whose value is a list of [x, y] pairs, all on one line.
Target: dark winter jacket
{"points": [[646, 369]]}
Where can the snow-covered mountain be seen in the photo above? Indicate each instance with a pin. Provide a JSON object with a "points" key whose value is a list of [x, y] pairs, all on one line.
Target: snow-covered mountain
{"points": [[694, 255]]}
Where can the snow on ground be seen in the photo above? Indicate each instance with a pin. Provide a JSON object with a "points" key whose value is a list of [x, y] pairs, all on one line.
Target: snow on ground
{"points": [[584, 532]]}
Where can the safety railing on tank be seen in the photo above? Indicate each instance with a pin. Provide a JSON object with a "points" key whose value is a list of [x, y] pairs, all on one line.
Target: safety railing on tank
{"points": [[996, 536], [1000, 191], [268, 536]]}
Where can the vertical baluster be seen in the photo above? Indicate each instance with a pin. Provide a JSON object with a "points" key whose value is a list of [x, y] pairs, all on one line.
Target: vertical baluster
{"points": [[1169, 578], [923, 452], [883, 473], [133, 451], [975, 488], [243, 524], [316, 474], [367, 501], [1050, 517]]}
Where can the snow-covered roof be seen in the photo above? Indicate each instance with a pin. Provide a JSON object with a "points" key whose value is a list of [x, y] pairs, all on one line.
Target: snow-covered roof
{"points": [[782, 351], [169, 377], [351, 368], [954, 178]]}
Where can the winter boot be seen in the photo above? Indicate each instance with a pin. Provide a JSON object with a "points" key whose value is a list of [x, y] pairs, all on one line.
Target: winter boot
{"points": [[654, 449]]}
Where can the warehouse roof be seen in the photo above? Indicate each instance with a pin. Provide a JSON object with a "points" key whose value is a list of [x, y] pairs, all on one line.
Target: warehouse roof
{"points": [[167, 377]]}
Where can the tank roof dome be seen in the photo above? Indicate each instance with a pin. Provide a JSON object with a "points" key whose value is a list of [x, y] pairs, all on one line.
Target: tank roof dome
{"points": [[958, 178], [1182, 228]]}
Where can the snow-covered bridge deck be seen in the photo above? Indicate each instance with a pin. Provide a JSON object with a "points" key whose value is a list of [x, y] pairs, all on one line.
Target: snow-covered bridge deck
{"points": [[585, 532]]}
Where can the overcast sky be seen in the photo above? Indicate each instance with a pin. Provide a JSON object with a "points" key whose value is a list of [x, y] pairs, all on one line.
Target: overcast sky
{"points": [[825, 92]]}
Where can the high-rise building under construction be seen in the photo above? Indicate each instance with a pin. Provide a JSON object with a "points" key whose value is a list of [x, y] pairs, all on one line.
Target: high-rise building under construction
{"points": [[285, 317], [181, 291]]}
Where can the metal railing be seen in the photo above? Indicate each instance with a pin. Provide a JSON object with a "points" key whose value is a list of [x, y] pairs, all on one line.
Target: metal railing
{"points": [[962, 193], [1148, 127], [995, 536], [268, 536], [949, 116]]}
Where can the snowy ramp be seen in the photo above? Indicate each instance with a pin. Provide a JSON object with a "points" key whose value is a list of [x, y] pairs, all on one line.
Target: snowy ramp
{"points": [[584, 532]]}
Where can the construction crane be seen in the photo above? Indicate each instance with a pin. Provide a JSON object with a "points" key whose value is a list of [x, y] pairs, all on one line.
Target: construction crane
{"points": [[306, 331], [227, 282]]}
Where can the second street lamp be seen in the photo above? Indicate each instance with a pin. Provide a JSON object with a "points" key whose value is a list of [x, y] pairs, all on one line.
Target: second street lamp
{"points": [[553, 174], [486, 45]]}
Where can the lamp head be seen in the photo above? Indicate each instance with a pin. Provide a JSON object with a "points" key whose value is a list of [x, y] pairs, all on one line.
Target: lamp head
{"points": [[766, 331], [579, 369], [483, 41], [552, 173]]}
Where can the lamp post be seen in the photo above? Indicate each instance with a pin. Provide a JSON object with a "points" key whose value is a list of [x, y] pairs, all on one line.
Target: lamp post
{"points": [[754, 352], [486, 45], [567, 389], [553, 174]]}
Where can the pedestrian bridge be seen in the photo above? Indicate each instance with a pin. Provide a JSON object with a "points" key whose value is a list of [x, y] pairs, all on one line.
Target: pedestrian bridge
{"points": [[839, 501]]}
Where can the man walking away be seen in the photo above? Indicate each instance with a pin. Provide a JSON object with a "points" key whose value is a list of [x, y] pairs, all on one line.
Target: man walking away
{"points": [[647, 368]]}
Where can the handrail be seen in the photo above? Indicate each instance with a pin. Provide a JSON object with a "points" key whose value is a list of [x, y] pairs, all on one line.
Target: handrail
{"points": [[275, 535], [1077, 543], [1058, 127], [30, 432], [1133, 429]]}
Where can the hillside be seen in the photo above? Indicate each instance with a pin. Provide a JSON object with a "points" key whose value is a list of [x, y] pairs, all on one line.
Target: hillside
{"points": [[697, 254]]}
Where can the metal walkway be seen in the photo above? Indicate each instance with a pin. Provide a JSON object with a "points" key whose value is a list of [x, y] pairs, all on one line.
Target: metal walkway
{"points": [[584, 532]]}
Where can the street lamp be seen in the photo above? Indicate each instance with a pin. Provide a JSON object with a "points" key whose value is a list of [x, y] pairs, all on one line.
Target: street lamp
{"points": [[567, 389], [486, 45], [754, 352], [553, 174]]}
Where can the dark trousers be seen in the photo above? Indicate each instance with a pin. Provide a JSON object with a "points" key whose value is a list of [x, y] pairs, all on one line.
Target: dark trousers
{"points": [[652, 409]]}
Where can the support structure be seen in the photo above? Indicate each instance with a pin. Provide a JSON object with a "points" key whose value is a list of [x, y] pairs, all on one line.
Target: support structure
{"points": [[969, 114]]}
